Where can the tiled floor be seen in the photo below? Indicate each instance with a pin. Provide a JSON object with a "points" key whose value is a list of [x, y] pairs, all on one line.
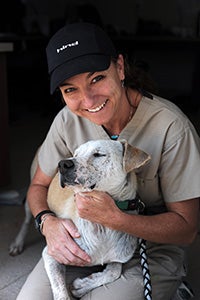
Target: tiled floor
{"points": [[26, 135]]}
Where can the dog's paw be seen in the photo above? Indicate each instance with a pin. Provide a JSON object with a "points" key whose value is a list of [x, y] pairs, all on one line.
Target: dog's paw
{"points": [[62, 297], [16, 248], [80, 287]]}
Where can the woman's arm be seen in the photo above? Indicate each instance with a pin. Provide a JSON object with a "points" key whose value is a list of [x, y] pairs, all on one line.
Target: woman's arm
{"points": [[59, 233], [37, 192], [177, 226]]}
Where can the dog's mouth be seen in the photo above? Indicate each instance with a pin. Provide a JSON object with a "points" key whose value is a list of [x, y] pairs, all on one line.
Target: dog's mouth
{"points": [[92, 186], [71, 182], [64, 182]]}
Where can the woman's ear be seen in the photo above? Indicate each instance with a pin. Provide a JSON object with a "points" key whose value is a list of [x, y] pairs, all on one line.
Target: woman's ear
{"points": [[120, 67]]}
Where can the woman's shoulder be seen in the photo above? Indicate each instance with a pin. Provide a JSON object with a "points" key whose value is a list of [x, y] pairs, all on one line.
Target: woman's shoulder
{"points": [[173, 121], [63, 114], [66, 117], [166, 111], [160, 117]]}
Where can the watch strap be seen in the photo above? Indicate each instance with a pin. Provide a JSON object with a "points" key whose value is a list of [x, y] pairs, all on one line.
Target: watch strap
{"points": [[38, 218]]}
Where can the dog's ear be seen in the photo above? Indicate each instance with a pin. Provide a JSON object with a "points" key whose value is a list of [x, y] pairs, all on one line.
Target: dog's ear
{"points": [[133, 158]]}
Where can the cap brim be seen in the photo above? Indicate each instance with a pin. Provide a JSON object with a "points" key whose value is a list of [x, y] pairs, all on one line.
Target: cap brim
{"points": [[82, 64]]}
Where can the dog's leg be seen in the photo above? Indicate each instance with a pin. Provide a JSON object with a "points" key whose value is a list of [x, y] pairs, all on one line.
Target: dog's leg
{"points": [[56, 274], [17, 245], [81, 286]]}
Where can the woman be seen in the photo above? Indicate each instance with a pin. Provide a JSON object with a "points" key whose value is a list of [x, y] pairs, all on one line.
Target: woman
{"points": [[103, 101]]}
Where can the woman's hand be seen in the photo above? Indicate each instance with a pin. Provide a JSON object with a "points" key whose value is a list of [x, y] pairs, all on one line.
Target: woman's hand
{"points": [[59, 234], [178, 225], [96, 207]]}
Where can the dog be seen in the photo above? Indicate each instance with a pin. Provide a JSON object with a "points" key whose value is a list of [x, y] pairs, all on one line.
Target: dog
{"points": [[103, 165], [17, 245]]}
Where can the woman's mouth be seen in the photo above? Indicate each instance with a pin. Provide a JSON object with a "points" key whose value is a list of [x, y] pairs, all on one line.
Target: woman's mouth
{"points": [[98, 108]]}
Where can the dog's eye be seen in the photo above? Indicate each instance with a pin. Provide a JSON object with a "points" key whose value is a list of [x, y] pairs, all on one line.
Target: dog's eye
{"points": [[97, 154]]}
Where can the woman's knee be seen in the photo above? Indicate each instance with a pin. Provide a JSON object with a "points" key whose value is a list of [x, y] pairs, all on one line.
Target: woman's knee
{"points": [[37, 285]]}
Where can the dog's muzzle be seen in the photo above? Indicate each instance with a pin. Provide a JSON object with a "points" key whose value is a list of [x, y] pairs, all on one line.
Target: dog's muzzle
{"points": [[67, 172], [65, 165]]}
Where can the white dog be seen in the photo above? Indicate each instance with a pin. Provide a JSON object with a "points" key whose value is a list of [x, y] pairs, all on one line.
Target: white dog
{"points": [[103, 165]]}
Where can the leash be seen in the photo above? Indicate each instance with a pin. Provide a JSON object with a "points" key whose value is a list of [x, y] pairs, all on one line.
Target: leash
{"points": [[145, 270], [137, 204], [143, 257]]}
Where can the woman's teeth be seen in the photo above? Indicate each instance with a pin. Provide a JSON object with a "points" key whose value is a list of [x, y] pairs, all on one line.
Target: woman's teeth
{"points": [[98, 108]]}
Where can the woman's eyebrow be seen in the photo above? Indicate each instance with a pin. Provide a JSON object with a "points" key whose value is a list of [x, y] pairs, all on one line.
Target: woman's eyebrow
{"points": [[90, 74], [64, 84]]}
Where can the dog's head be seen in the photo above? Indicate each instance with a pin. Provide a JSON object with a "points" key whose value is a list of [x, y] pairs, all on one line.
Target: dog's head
{"points": [[101, 164]]}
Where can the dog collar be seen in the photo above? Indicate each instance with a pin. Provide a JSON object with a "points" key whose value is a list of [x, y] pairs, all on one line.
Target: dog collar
{"points": [[134, 204]]}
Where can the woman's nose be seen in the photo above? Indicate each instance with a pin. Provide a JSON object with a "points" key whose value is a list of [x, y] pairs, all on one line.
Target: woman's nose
{"points": [[89, 98]]}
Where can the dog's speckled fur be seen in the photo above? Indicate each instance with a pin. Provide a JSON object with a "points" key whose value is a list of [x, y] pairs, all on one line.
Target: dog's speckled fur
{"points": [[103, 165]]}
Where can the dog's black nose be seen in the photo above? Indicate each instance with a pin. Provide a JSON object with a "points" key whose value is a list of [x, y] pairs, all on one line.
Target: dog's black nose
{"points": [[64, 165]]}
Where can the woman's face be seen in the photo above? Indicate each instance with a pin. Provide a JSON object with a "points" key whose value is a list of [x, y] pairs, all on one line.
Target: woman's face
{"points": [[96, 96]]}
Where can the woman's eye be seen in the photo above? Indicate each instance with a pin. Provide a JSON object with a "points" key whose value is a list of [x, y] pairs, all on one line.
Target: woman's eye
{"points": [[68, 90], [97, 78]]}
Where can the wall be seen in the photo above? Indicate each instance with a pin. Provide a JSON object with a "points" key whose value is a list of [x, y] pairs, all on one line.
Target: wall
{"points": [[124, 14], [174, 67]]}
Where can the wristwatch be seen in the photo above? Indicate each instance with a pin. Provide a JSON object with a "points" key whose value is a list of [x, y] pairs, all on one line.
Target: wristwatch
{"points": [[38, 218]]}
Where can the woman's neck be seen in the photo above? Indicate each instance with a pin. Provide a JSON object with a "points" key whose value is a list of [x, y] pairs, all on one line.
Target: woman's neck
{"points": [[133, 98]]}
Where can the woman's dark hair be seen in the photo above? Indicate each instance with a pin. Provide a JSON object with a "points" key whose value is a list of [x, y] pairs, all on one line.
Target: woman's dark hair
{"points": [[137, 75]]}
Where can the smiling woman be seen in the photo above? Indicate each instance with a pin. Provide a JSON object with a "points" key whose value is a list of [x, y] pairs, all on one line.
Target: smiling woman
{"points": [[101, 97], [106, 99]]}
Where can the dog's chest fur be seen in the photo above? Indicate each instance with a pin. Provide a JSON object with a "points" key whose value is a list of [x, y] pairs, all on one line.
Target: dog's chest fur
{"points": [[101, 243]]}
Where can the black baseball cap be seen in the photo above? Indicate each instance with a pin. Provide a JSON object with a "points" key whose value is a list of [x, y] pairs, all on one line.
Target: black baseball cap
{"points": [[78, 48]]}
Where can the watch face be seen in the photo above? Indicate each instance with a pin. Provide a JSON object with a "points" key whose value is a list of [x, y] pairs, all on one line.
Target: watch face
{"points": [[37, 224], [38, 221]]}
